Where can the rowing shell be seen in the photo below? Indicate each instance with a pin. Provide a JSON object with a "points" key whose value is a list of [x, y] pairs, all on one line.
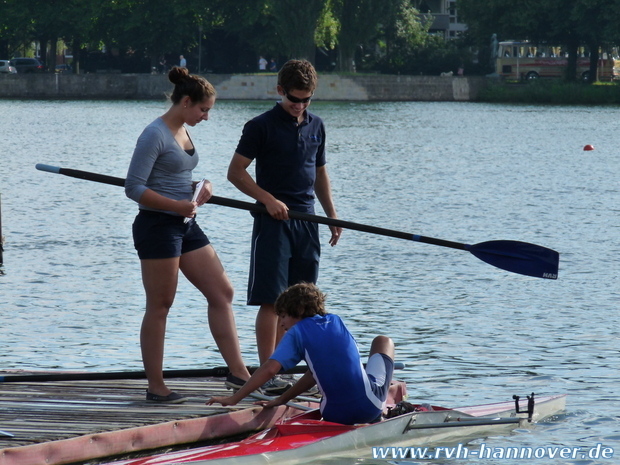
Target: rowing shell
{"points": [[306, 438]]}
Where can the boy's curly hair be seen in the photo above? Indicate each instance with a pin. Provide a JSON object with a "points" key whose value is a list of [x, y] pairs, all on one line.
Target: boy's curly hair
{"points": [[301, 300], [298, 75]]}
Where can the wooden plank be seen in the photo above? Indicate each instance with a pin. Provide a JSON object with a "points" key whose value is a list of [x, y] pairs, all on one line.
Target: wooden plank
{"points": [[88, 447], [36, 412], [75, 421]]}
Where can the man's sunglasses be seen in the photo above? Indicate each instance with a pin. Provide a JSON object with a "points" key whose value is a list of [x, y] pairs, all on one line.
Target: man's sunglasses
{"points": [[294, 99]]}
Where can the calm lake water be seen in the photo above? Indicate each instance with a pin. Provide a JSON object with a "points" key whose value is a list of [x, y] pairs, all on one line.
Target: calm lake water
{"points": [[469, 333]]}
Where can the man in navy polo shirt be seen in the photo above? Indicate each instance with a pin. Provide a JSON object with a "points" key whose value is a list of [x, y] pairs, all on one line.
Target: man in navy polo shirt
{"points": [[288, 144]]}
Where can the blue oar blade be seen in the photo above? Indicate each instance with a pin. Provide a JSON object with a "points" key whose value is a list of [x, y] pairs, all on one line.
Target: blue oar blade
{"points": [[519, 257]]}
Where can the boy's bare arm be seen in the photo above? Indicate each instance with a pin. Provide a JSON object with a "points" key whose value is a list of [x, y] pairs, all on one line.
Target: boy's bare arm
{"points": [[323, 191], [302, 385], [241, 179], [263, 374]]}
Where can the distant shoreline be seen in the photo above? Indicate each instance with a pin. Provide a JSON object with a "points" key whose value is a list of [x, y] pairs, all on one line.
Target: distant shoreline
{"points": [[332, 87], [552, 92]]}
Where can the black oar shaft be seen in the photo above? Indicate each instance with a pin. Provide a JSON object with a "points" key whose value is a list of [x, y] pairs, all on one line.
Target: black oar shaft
{"points": [[102, 178], [336, 222], [253, 207], [516, 257], [216, 372], [96, 376], [91, 376]]}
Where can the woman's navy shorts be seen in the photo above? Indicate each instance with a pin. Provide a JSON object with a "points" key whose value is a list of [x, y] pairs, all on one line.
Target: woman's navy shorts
{"points": [[160, 235]]}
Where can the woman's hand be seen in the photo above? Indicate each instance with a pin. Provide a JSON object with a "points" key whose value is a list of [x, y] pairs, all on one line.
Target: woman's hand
{"points": [[205, 193], [186, 208]]}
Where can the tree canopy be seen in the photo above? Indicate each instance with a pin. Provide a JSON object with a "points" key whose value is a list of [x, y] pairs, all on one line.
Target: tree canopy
{"points": [[571, 23], [351, 35]]}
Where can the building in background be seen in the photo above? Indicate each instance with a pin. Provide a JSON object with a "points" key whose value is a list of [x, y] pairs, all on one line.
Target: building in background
{"points": [[445, 17]]}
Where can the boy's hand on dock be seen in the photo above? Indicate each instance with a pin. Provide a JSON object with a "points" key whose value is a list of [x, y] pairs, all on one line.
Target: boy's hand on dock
{"points": [[270, 403], [225, 401]]}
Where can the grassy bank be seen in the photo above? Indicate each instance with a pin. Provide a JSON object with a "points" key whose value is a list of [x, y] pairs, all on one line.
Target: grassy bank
{"points": [[552, 91]]}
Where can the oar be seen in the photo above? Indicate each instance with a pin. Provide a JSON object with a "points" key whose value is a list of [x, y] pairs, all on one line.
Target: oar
{"points": [[106, 375], [515, 256]]}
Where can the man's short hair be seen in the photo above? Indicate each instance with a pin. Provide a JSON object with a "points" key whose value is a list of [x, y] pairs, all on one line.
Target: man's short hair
{"points": [[297, 75], [301, 300]]}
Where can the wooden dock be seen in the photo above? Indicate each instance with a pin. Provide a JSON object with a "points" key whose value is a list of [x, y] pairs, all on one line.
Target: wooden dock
{"points": [[67, 422]]}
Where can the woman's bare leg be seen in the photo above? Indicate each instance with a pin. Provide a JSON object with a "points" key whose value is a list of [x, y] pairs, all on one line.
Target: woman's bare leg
{"points": [[160, 278], [203, 269]]}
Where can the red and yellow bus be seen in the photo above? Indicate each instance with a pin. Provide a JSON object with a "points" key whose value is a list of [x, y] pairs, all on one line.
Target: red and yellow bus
{"points": [[523, 60]]}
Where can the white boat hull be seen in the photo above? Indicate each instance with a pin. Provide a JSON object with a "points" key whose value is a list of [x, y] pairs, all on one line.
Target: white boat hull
{"points": [[415, 429]]}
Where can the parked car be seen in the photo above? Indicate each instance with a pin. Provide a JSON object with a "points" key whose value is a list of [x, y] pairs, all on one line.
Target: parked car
{"points": [[62, 69], [27, 65], [6, 67]]}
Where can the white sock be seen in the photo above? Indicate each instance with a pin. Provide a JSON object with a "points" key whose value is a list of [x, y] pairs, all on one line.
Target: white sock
{"points": [[376, 367]]}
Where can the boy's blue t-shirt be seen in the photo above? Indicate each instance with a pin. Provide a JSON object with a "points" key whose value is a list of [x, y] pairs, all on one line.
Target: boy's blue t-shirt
{"points": [[331, 353]]}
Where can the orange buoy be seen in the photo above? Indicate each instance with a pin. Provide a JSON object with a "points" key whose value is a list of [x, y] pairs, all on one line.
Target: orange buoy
{"points": [[588, 147]]}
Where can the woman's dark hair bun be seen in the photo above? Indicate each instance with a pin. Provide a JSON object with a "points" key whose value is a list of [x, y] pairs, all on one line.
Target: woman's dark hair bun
{"points": [[195, 87], [177, 74]]}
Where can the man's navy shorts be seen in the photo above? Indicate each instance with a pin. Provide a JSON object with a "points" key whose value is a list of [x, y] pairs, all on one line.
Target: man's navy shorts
{"points": [[283, 253], [160, 235]]}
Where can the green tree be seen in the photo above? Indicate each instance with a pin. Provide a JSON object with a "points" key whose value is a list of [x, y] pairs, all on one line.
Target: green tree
{"points": [[405, 36], [47, 21], [597, 21], [74, 20], [571, 23], [41, 15], [250, 23], [328, 28], [149, 27], [15, 27], [296, 23], [360, 22], [504, 18], [276, 27]]}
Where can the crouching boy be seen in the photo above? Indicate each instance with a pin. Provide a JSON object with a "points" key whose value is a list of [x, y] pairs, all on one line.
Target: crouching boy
{"points": [[350, 393]]}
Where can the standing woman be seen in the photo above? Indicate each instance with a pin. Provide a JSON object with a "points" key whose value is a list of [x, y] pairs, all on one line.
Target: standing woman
{"points": [[160, 180]]}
